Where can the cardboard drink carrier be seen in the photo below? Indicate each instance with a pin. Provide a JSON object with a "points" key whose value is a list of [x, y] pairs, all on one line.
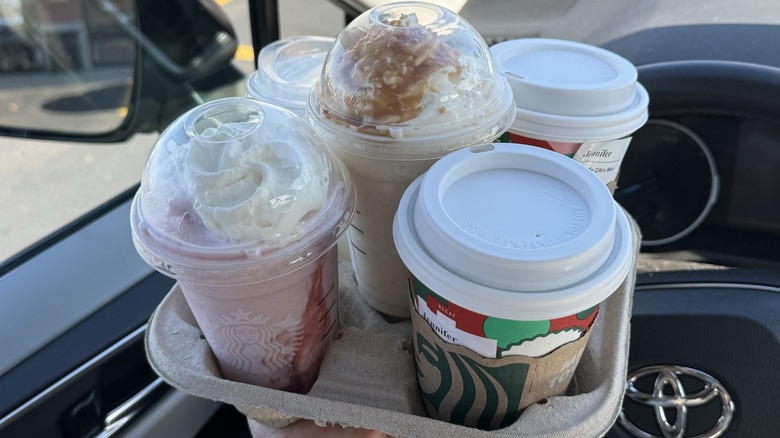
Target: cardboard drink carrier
{"points": [[368, 378]]}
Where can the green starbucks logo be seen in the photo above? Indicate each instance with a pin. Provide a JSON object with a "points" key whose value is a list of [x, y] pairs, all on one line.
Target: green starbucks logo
{"points": [[457, 386]]}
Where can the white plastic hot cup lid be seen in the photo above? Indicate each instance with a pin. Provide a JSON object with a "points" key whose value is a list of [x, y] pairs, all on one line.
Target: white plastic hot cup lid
{"points": [[515, 221], [287, 70], [514, 231], [558, 84]]}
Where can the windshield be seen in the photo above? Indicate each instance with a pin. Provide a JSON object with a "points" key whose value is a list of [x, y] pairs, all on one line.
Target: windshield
{"points": [[70, 67]]}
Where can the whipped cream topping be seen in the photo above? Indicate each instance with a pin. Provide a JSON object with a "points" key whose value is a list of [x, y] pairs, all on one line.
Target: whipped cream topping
{"points": [[244, 187], [449, 99], [402, 73]]}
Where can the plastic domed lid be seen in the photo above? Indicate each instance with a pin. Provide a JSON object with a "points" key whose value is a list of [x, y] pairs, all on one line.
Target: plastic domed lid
{"points": [[236, 185], [412, 71], [567, 90], [287, 69]]}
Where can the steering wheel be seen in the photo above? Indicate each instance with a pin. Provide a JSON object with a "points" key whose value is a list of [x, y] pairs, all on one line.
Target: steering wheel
{"points": [[712, 87]]}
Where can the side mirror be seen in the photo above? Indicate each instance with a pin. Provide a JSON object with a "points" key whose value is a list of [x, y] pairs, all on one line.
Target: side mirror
{"points": [[187, 39], [100, 70]]}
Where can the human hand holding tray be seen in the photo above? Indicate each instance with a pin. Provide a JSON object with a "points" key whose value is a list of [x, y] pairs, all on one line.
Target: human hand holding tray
{"points": [[368, 378]]}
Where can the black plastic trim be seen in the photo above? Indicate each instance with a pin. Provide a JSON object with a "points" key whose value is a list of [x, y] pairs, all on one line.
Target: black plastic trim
{"points": [[735, 277], [84, 341], [264, 16]]}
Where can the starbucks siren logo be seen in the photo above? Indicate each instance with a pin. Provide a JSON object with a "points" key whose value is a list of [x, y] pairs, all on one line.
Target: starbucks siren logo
{"points": [[254, 344]]}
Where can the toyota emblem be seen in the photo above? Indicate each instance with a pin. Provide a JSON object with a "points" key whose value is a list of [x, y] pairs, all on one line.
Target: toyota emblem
{"points": [[670, 402]]}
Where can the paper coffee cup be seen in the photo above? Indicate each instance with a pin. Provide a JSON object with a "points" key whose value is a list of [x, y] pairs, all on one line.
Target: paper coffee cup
{"points": [[243, 208], [404, 84], [575, 99], [510, 252]]}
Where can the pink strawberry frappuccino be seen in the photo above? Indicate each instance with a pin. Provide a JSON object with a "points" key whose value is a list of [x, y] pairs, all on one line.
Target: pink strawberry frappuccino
{"points": [[240, 206]]}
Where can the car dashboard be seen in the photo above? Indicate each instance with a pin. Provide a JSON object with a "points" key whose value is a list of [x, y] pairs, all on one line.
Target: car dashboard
{"points": [[704, 188], [699, 177]]}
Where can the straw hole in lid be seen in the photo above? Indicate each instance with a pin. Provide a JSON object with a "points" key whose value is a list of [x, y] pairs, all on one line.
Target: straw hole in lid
{"points": [[482, 148], [408, 15], [235, 120]]}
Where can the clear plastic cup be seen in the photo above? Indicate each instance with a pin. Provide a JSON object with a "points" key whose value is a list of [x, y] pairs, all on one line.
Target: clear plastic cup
{"points": [[404, 84], [240, 206], [510, 252], [287, 70], [576, 99]]}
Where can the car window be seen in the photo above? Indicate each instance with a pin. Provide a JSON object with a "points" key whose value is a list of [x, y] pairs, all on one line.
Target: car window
{"points": [[64, 67], [68, 66]]}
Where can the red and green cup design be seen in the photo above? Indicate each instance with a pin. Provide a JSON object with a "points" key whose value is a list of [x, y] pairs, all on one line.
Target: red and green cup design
{"points": [[494, 337], [563, 148], [602, 157]]}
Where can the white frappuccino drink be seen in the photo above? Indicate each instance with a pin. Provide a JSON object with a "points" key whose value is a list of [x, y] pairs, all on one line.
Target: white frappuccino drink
{"points": [[404, 84]]}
